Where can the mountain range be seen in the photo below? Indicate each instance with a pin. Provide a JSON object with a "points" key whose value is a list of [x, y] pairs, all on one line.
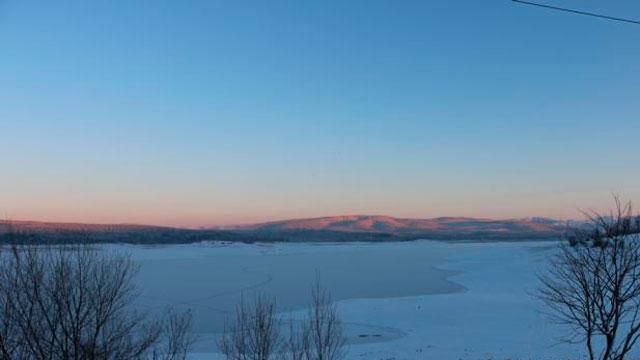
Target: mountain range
{"points": [[443, 228], [323, 229]]}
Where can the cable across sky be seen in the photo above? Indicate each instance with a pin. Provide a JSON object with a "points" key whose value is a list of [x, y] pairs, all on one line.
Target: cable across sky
{"points": [[579, 12]]}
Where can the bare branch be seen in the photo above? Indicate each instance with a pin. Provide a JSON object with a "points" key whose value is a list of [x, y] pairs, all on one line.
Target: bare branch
{"points": [[74, 302], [592, 285]]}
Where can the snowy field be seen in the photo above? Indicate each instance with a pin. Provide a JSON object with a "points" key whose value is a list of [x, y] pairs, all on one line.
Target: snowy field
{"points": [[495, 318], [416, 300]]}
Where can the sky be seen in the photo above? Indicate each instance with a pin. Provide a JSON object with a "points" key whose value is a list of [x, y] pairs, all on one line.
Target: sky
{"points": [[209, 112]]}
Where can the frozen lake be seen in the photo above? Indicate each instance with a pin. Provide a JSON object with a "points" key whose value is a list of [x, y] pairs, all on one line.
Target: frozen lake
{"points": [[412, 300], [211, 278]]}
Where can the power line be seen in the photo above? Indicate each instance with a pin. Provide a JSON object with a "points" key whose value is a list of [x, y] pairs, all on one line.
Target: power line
{"points": [[579, 12]]}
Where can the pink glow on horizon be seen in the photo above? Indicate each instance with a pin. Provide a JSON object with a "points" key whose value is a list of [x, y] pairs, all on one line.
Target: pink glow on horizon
{"points": [[216, 219]]}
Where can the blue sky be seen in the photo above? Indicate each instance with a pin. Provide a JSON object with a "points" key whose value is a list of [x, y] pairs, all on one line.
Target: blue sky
{"points": [[213, 112]]}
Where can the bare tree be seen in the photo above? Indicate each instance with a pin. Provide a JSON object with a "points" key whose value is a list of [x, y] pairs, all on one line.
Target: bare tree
{"points": [[326, 339], [77, 303], [176, 339], [255, 334], [320, 335], [593, 285]]}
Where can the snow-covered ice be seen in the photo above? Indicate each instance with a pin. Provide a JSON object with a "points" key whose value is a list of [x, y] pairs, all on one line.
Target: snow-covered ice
{"points": [[484, 309], [495, 318]]}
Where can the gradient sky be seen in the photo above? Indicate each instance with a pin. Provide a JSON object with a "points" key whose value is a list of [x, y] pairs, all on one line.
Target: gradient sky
{"points": [[215, 112]]}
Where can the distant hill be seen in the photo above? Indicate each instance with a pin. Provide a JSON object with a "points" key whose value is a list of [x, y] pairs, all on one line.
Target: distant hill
{"points": [[325, 229], [38, 226], [73, 233], [436, 228]]}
